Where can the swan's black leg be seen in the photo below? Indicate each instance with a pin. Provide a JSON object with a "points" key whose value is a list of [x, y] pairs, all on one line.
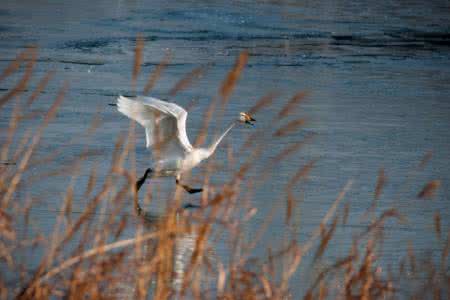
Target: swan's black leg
{"points": [[141, 180], [138, 185], [188, 188]]}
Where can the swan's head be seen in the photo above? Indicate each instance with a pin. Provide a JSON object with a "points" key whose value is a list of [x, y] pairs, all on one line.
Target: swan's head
{"points": [[246, 118]]}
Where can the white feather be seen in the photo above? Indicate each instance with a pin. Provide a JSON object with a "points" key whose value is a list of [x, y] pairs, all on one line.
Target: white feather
{"points": [[165, 130]]}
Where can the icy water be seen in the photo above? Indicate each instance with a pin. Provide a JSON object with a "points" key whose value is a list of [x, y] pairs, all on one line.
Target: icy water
{"points": [[377, 74]]}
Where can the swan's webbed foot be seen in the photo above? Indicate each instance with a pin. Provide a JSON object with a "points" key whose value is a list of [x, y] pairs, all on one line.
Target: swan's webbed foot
{"points": [[192, 190], [190, 206], [187, 188]]}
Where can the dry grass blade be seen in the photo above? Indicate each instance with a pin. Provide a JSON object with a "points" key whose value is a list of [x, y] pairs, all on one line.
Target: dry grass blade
{"points": [[412, 258], [294, 101], [292, 148], [289, 128], [23, 82], [188, 79], [89, 210], [259, 233], [91, 182], [437, 224], [338, 264], [41, 86], [326, 237], [263, 102], [266, 286], [21, 146], [252, 140], [96, 251], [221, 278], [378, 223], [138, 51], [427, 157], [429, 189], [345, 214], [15, 64], [226, 89], [445, 251], [381, 181], [67, 168], [292, 268], [207, 117], [13, 126], [229, 83], [6, 226], [157, 73], [34, 142], [95, 123], [290, 202], [307, 246], [302, 173]]}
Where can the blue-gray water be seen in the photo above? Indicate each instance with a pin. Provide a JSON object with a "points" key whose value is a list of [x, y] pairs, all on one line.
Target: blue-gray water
{"points": [[377, 74]]}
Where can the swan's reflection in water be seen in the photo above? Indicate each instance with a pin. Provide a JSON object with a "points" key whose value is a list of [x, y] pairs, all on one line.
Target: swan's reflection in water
{"points": [[184, 245], [184, 248]]}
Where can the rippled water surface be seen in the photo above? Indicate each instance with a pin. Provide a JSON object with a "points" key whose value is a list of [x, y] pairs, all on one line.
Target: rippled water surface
{"points": [[377, 76]]}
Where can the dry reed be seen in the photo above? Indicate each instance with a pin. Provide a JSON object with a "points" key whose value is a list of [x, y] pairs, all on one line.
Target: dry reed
{"points": [[90, 254]]}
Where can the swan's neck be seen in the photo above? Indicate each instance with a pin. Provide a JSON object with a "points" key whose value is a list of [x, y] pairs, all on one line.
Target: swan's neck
{"points": [[200, 154], [214, 145]]}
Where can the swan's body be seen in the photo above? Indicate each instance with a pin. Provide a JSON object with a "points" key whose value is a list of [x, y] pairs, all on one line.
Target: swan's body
{"points": [[165, 131]]}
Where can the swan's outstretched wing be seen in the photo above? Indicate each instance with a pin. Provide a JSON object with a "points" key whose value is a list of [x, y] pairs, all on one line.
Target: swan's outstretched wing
{"points": [[164, 123]]}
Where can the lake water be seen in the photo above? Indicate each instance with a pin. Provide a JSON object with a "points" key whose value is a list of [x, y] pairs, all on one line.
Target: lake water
{"points": [[377, 76]]}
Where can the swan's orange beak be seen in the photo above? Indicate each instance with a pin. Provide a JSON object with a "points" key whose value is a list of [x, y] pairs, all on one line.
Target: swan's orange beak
{"points": [[246, 118]]}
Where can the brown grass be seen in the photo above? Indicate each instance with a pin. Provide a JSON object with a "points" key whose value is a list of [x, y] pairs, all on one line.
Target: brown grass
{"points": [[291, 104], [138, 54], [29, 58], [290, 127], [429, 189], [381, 181], [157, 73], [265, 101], [103, 252], [188, 79], [230, 82]]}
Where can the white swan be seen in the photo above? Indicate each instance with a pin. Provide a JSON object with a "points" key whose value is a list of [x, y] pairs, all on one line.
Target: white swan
{"points": [[165, 131]]}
